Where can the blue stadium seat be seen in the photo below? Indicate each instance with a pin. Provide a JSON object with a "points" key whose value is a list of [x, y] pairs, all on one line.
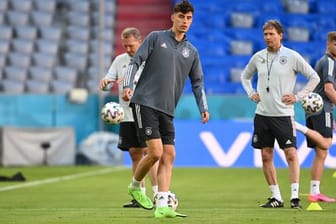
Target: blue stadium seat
{"points": [[326, 7], [45, 6], [37, 87], [4, 47], [13, 87]]}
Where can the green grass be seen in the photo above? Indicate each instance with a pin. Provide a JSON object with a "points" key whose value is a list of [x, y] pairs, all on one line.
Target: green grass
{"points": [[206, 195]]}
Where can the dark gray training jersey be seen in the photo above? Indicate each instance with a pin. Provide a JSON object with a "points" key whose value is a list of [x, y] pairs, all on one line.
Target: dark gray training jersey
{"points": [[168, 63], [325, 68]]}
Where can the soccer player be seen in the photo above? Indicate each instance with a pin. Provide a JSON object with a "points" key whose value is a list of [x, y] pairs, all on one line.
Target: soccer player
{"points": [[128, 139], [277, 67], [170, 58], [322, 122]]}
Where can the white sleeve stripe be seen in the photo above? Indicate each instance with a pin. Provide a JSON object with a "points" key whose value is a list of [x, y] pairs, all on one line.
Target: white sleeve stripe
{"points": [[138, 115], [331, 64], [128, 75]]}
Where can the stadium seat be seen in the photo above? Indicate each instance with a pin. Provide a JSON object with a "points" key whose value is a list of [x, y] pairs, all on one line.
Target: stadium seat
{"points": [[241, 47], [235, 73], [78, 18], [94, 60], [4, 47], [37, 87], [77, 46], [26, 32], [51, 32], [2, 18], [107, 46], [92, 85], [76, 61], [242, 19], [41, 74], [296, 6], [12, 87], [60, 87], [326, 7], [16, 73], [6, 32], [44, 59], [2, 63], [80, 6], [19, 59], [298, 34], [3, 6], [79, 33], [66, 74], [93, 73], [21, 5], [45, 6], [17, 18], [110, 7], [109, 21], [42, 18], [23, 46], [47, 46]]}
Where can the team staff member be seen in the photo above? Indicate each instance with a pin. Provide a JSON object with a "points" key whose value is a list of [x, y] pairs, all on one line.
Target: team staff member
{"points": [[170, 58], [277, 68], [128, 140]]}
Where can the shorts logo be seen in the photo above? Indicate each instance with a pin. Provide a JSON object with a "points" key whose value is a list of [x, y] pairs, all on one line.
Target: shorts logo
{"points": [[148, 131], [255, 138]]}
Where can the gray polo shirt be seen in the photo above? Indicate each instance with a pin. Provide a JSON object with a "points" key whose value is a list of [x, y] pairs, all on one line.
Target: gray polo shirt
{"points": [[168, 64], [325, 68]]}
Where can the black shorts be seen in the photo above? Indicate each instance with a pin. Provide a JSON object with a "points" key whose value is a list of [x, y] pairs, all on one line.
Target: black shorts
{"points": [[322, 123], [268, 129], [128, 137], [153, 124]]}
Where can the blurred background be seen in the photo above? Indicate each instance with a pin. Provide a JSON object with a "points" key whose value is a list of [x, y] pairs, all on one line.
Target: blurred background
{"points": [[54, 52]]}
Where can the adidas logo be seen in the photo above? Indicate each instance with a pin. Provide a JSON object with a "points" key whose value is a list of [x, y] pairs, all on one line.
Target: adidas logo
{"points": [[288, 142], [164, 45]]}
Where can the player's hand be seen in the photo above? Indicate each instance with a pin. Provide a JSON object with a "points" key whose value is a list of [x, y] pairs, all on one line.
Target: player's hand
{"points": [[127, 94], [120, 80], [288, 99], [255, 97], [205, 117], [104, 83]]}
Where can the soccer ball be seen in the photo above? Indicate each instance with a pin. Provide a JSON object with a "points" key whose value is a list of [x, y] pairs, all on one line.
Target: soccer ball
{"points": [[172, 200], [112, 113], [312, 103]]}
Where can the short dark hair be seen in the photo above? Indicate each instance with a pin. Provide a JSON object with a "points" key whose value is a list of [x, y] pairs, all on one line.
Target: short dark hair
{"points": [[273, 24], [184, 7], [331, 36]]}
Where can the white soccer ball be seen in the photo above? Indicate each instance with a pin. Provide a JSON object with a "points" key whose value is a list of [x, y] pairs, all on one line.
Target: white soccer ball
{"points": [[312, 103], [172, 200], [112, 113]]}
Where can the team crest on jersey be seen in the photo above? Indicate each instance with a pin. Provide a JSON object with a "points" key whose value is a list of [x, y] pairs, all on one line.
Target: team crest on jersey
{"points": [[283, 60], [185, 52], [148, 131]]}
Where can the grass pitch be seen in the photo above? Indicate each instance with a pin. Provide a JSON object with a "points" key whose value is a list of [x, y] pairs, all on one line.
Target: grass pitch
{"points": [[93, 194]]}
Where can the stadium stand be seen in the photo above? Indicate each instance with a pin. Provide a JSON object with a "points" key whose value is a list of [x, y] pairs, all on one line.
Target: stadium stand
{"points": [[235, 30], [39, 35]]}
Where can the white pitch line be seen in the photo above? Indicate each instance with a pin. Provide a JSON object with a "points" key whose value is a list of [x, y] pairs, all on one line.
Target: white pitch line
{"points": [[62, 178]]}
